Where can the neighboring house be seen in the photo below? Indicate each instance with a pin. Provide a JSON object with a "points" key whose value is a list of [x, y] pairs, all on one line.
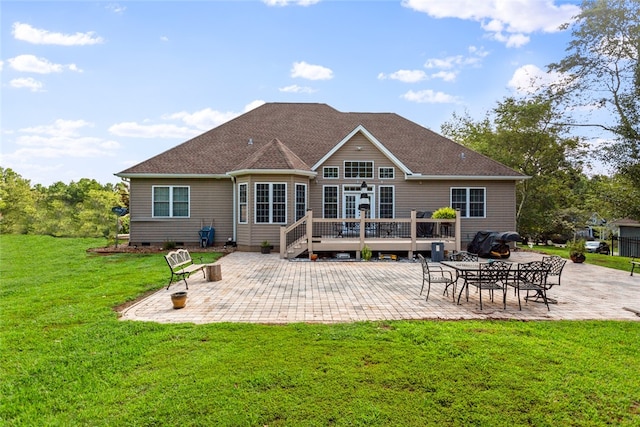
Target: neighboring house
{"points": [[628, 237], [265, 169]]}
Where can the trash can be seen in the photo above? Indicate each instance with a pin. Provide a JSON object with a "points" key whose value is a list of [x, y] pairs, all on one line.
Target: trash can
{"points": [[206, 236], [437, 251]]}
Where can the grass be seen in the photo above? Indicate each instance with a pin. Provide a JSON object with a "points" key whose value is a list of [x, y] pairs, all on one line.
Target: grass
{"points": [[615, 262], [67, 360]]}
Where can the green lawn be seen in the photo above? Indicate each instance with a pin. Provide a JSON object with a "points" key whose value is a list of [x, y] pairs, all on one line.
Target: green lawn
{"points": [[617, 262], [67, 360]]}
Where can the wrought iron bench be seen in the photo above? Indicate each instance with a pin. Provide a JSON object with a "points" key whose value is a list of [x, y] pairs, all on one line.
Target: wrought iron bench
{"points": [[181, 265]]}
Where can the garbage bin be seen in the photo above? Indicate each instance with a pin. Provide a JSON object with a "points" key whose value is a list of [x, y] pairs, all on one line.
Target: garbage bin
{"points": [[437, 251], [206, 236]]}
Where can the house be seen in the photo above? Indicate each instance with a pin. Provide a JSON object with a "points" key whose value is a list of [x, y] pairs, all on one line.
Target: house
{"points": [[628, 237], [261, 172]]}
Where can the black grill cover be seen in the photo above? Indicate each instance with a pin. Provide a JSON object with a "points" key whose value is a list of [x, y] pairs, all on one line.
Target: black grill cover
{"points": [[492, 244]]}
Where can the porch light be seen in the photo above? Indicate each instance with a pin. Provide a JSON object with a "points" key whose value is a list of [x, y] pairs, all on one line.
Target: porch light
{"points": [[365, 204]]}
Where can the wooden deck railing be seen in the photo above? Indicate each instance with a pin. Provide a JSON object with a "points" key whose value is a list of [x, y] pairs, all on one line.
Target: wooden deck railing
{"points": [[377, 233]]}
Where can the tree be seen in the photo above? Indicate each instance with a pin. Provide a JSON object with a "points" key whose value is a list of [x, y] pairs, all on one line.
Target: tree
{"points": [[601, 70], [521, 134], [17, 203]]}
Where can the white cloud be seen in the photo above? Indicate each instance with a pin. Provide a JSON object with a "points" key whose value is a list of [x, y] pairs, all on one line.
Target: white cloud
{"points": [[164, 38], [28, 83], [27, 33], [116, 8], [1, 65], [516, 18], [311, 72], [33, 64], [447, 76], [297, 89], [60, 139], [529, 79], [429, 96], [406, 76], [195, 122], [288, 2]]}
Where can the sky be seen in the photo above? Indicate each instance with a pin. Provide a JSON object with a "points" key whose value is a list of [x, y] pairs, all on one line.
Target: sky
{"points": [[89, 88]]}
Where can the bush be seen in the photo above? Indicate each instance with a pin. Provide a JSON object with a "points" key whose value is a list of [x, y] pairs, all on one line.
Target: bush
{"points": [[444, 213]]}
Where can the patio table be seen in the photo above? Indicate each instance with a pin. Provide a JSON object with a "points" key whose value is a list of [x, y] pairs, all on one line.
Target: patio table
{"points": [[477, 271]]}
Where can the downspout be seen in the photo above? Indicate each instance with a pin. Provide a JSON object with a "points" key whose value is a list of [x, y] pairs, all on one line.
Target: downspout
{"points": [[234, 210]]}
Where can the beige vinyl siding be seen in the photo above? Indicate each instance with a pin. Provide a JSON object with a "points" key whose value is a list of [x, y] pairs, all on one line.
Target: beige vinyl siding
{"points": [[425, 195], [209, 199], [252, 234]]}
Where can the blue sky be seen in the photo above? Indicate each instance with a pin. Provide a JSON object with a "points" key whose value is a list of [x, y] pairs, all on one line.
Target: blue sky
{"points": [[91, 88]]}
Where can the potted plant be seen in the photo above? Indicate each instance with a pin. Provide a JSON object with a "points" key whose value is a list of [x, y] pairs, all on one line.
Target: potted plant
{"points": [[577, 250], [265, 247], [444, 213], [366, 253]]}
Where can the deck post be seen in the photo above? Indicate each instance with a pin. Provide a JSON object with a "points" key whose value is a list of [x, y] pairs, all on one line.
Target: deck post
{"points": [[283, 241], [310, 232], [414, 234], [363, 215]]}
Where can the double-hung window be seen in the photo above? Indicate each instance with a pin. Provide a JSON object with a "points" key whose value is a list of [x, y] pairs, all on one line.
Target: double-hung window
{"points": [[385, 201], [170, 201], [271, 203], [330, 201], [470, 201], [243, 199], [301, 200]]}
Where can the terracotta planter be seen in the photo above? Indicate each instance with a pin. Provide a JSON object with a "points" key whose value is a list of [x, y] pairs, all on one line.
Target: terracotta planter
{"points": [[578, 258], [314, 257], [179, 299]]}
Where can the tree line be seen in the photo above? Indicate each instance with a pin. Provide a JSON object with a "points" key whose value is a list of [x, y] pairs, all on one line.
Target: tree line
{"points": [[533, 134], [77, 209]]}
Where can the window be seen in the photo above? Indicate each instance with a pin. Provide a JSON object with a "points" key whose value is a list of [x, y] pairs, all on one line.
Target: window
{"points": [[470, 201], [271, 203], [301, 201], [242, 203], [360, 170], [386, 205], [170, 201], [386, 173], [330, 201], [330, 172]]}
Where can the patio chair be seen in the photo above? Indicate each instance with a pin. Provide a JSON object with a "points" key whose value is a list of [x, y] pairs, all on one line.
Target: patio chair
{"points": [[556, 265], [491, 276], [532, 277], [436, 274], [464, 256]]}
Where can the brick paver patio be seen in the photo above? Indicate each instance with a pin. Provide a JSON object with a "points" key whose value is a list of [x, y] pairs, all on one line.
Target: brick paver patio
{"points": [[258, 288]]}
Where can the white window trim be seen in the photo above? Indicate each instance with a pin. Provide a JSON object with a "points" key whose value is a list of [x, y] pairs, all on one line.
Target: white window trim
{"points": [[467, 200], [324, 172], [393, 172], [295, 199], [171, 187], [255, 203], [373, 168], [337, 200], [246, 203], [393, 202]]}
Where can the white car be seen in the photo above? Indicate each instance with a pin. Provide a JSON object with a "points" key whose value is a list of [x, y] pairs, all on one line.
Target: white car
{"points": [[592, 245]]}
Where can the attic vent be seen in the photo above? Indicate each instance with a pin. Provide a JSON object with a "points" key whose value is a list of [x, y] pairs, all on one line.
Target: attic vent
{"points": [[461, 156], [250, 141]]}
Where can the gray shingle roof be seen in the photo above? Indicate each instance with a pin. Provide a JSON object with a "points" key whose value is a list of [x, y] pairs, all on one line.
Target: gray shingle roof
{"points": [[298, 135]]}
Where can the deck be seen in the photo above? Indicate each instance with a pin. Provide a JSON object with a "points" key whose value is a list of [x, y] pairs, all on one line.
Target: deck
{"points": [[312, 235]]}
